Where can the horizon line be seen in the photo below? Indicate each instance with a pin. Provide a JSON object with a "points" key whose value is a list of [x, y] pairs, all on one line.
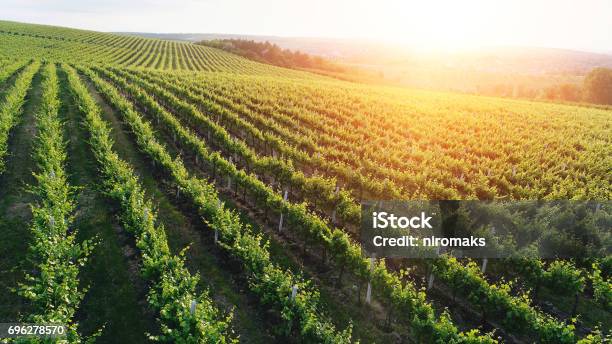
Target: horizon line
{"points": [[369, 40]]}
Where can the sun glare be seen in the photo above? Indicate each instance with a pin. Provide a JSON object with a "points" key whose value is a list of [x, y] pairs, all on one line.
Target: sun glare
{"points": [[448, 26]]}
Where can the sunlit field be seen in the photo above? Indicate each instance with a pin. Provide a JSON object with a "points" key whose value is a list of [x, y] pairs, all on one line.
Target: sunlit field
{"points": [[163, 190]]}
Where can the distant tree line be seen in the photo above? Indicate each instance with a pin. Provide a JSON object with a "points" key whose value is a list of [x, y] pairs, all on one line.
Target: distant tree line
{"points": [[270, 53], [596, 88]]}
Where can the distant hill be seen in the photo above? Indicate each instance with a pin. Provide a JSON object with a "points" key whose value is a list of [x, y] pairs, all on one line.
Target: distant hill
{"points": [[520, 60]]}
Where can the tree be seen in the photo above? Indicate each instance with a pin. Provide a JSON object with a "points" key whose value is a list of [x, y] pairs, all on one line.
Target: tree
{"points": [[569, 92], [598, 86], [551, 93], [271, 53]]}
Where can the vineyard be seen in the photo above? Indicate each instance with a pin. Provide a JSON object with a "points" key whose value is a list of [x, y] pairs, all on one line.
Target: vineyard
{"points": [[156, 190]]}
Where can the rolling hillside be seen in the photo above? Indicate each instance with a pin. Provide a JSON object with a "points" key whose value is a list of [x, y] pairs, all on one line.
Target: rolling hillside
{"points": [[70, 45], [181, 193]]}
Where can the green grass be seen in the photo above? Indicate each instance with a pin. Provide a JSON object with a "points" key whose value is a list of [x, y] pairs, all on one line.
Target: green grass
{"points": [[591, 314]]}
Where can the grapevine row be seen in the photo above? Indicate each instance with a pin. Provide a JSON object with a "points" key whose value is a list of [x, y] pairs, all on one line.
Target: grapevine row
{"points": [[602, 287], [8, 70], [10, 109], [53, 290]]}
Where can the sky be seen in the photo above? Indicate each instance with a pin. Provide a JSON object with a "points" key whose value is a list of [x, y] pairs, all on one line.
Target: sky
{"points": [[571, 24]]}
